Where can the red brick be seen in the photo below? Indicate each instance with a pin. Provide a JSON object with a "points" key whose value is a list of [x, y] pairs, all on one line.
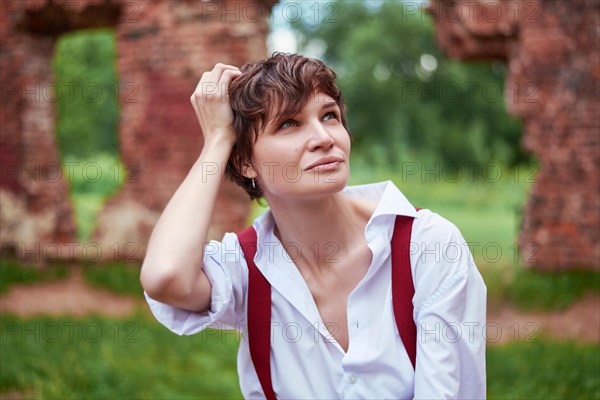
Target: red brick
{"points": [[553, 46]]}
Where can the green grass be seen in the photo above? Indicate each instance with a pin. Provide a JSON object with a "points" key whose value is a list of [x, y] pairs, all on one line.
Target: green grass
{"points": [[86, 207], [91, 181], [543, 370], [121, 278], [11, 272], [529, 289], [101, 358]]}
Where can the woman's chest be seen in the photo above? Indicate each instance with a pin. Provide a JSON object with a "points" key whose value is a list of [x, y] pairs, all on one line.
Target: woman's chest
{"points": [[330, 292]]}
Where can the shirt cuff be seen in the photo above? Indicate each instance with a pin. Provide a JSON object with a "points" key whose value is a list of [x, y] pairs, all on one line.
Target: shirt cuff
{"points": [[186, 322]]}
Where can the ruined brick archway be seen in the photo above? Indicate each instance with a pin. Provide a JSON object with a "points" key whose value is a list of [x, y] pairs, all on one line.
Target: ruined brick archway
{"points": [[551, 47], [163, 46]]}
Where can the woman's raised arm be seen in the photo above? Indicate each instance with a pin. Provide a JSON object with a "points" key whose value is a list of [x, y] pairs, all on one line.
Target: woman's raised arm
{"points": [[172, 271]]}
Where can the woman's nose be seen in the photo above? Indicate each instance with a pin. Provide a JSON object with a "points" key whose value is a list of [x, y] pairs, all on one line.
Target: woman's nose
{"points": [[319, 137]]}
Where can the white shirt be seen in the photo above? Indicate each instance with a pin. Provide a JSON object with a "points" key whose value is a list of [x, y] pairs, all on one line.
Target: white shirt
{"points": [[307, 362]]}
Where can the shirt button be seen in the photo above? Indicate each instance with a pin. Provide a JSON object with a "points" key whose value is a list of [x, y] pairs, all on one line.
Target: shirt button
{"points": [[352, 379]]}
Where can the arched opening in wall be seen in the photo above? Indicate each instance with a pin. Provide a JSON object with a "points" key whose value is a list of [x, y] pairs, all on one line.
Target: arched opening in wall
{"points": [[87, 116]]}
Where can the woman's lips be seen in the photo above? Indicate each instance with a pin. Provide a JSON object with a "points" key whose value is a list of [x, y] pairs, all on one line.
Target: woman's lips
{"points": [[324, 161], [331, 166]]}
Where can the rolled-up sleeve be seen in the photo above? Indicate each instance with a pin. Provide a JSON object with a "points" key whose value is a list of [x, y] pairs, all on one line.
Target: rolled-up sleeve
{"points": [[450, 313], [227, 272]]}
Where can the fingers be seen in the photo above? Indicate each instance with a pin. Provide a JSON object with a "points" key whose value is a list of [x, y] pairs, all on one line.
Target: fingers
{"points": [[226, 78], [198, 91], [215, 83], [219, 69], [228, 75]]}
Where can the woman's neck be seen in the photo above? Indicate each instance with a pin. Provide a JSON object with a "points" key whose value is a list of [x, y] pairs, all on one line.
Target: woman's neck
{"points": [[323, 227]]}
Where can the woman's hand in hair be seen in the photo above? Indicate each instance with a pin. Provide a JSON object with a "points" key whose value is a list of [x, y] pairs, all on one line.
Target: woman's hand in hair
{"points": [[211, 103]]}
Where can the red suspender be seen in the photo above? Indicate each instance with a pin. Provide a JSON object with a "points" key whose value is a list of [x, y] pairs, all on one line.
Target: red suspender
{"points": [[259, 300], [259, 314], [403, 288]]}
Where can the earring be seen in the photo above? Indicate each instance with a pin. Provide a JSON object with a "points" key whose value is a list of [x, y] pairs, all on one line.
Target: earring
{"points": [[253, 185]]}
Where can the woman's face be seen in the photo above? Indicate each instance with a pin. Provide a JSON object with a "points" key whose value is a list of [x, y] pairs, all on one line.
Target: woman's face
{"points": [[283, 155]]}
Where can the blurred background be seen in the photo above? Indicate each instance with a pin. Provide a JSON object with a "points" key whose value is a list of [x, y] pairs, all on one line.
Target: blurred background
{"points": [[486, 112]]}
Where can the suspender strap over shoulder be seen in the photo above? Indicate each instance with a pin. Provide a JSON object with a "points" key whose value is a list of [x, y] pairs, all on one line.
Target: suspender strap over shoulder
{"points": [[259, 300], [259, 314], [403, 289]]}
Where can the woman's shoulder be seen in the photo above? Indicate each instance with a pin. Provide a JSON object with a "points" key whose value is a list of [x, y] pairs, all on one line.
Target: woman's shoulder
{"points": [[432, 225], [439, 251]]}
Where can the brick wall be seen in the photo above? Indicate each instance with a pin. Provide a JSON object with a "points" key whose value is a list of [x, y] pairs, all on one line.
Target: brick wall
{"points": [[553, 82], [163, 48], [35, 206]]}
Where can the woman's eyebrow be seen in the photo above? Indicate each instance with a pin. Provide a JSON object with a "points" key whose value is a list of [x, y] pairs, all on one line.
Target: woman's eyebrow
{"points": [[329, 104]]}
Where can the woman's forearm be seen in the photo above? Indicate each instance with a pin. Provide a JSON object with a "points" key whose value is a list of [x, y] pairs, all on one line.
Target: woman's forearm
{"points": [[173, 262], [172, 270]]}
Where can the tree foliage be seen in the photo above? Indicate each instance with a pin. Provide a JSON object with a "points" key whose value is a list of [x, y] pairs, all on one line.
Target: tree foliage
{"points": [[406, 101], [87, 104], [87, 117]]}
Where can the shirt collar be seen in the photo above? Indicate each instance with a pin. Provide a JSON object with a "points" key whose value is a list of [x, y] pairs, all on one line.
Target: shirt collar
{"points": [[390, 199]]}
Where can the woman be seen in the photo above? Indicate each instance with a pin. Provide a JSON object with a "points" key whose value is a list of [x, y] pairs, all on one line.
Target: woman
{"points": [[324, 249]]}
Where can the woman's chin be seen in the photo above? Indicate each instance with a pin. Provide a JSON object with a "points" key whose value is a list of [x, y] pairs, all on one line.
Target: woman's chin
{"points": [[331, 184]]}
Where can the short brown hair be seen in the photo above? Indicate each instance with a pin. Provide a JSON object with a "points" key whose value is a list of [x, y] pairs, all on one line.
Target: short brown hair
{"points": [[273, 89]]}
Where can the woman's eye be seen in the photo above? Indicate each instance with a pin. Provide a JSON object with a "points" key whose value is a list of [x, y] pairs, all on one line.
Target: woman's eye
{"points": [[330, 115], [287, 124]]}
